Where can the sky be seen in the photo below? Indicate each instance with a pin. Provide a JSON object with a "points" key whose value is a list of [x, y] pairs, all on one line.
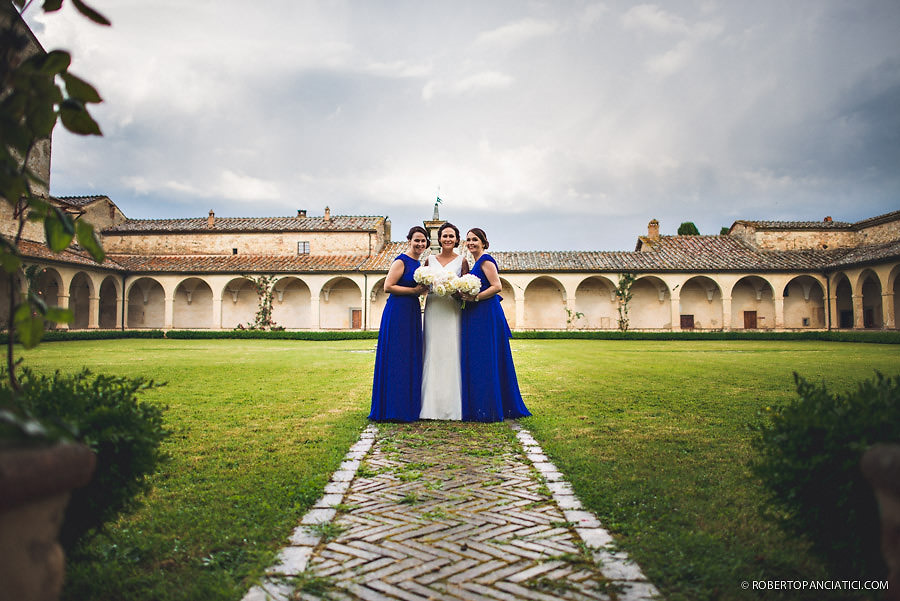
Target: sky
{"points": [[557, 125]]}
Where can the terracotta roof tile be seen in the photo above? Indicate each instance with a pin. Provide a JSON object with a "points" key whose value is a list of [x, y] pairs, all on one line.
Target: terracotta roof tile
{"points": [[79, 201], [74, 256], [337, 223], [239, 263], [382, 261]]}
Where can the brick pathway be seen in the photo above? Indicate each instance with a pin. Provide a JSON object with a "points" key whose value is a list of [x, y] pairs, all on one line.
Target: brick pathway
{"points": [[449, 510]]}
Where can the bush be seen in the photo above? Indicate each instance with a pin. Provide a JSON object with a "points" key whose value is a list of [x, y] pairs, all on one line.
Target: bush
{"points": [[104, 413], [809, 455]]}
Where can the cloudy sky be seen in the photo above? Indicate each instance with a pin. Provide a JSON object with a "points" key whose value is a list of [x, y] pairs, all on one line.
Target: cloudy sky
{"points": [[553, 124]]}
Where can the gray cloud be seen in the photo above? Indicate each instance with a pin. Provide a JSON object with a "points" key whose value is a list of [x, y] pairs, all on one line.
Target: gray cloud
{"points": [[560, 124]]}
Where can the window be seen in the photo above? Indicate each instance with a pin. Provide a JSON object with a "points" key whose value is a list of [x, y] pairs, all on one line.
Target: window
{"points": [[303, 248], [234, 251]]}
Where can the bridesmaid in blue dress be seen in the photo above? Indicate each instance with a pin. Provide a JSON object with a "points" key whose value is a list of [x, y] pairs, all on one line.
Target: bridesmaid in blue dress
{"points": [[397, 383], [490, 390]]}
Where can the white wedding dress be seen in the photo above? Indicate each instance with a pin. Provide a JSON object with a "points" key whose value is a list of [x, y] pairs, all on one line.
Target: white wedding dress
{"points": [[441, 395]]}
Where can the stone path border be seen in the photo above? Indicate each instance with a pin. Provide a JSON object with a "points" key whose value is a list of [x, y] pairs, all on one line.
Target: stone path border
{"points": [[292, 561]]}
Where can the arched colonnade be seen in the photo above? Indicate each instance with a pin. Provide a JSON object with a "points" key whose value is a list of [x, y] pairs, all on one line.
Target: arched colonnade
{"points": [[856, 298]]}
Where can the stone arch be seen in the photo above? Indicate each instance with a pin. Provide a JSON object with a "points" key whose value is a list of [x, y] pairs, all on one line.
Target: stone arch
{"points": [[81, 291], [377, 298], [752, 304], [340, 304], [872, 304], [545, 304], [701, 299], [804, 303], [239, 303], [109, 303], [595, 298], [292, 304], [894, 287], [843, 301], [193, 306], [4, 296], [508, 302], [48, 285], [650, 307], [146, 304]]}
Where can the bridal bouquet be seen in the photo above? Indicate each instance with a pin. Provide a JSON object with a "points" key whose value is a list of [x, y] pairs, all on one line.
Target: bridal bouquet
{"points": [[441, 283], [467, 284]]}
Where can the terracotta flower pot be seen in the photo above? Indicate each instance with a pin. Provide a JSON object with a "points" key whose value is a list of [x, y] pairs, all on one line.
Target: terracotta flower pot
{"points": [[881, 466], [35, 484]]}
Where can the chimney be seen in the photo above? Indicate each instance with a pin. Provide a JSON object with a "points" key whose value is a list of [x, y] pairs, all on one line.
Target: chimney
{"points": [[327, 214], [301, 212], [211, 220], [653, 229], [828, 219]]}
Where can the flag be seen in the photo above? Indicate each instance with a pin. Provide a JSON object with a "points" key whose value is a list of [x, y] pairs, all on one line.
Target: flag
{"points": [[439, 201]]}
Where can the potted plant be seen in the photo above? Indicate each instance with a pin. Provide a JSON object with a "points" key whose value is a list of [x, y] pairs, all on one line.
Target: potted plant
{"points": [[39, 461]]}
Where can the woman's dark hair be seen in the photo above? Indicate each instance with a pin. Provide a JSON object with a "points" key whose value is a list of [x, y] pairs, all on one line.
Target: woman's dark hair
{"points": [[481, 236], [417, 228], [446, 225]]}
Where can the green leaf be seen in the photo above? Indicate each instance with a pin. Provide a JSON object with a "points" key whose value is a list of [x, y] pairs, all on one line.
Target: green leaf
{"points": [[88, 240], [59, 230], [37, 303], [52, 5], [59, 315], [55, 62], [29, 327], [9, 261], [79, 89], [16, 135], [13, 187], [90, 13], [40, 119], [76, 119]]}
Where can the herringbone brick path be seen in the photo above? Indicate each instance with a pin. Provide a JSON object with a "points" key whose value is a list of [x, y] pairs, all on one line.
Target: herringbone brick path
{"points": [[449, 510]]}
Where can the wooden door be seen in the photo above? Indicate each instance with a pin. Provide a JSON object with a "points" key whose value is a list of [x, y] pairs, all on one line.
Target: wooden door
{"points": [[749, 320], [355, 319], [687, 322]]}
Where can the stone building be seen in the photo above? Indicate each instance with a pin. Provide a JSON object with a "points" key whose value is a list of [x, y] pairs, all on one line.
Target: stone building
{"points": [[330, 270]]}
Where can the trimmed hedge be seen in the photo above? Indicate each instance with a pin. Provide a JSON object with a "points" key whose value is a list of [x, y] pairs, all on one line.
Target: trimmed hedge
{"points": [[880, 337], [125, 433], [809, 453]]}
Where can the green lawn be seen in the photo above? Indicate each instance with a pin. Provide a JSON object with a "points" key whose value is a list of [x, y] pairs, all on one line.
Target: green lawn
{"points": [[653, 436]]}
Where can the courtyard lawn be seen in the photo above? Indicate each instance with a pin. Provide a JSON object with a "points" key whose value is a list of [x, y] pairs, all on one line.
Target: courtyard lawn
{"points": [[653, 436]]}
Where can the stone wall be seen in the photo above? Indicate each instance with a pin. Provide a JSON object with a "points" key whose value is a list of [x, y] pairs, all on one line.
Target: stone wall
{"points": [[224, 243], [881, 233]]}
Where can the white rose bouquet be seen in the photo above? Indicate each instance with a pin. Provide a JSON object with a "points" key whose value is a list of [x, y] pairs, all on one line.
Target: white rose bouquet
{"points": [[467, 284], [440, 283]]}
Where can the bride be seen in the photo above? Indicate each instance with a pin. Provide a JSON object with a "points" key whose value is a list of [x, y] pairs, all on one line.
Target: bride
{"points": [[441, 396]]}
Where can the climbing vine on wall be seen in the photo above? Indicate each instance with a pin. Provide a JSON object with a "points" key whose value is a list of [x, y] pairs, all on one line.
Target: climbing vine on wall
{"points": [[623, 293], [265, 292]]}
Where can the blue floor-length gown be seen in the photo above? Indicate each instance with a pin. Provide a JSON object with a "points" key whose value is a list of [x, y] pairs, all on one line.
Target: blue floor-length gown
{"points": [[490, 390], [397, 382]]}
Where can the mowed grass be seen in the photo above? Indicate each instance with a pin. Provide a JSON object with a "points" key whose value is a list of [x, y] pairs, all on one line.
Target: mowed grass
{"points": [[653, 436]]}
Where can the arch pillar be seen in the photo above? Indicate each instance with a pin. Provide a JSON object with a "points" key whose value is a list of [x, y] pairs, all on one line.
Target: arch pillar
{"points": [[520, 310], [63, 304], [314, 308], [858, 322], [779, 311], [94, 311], [726, 313], [217, 311], [887, 309], [676, 310], [169, 315], [833, 322]]}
